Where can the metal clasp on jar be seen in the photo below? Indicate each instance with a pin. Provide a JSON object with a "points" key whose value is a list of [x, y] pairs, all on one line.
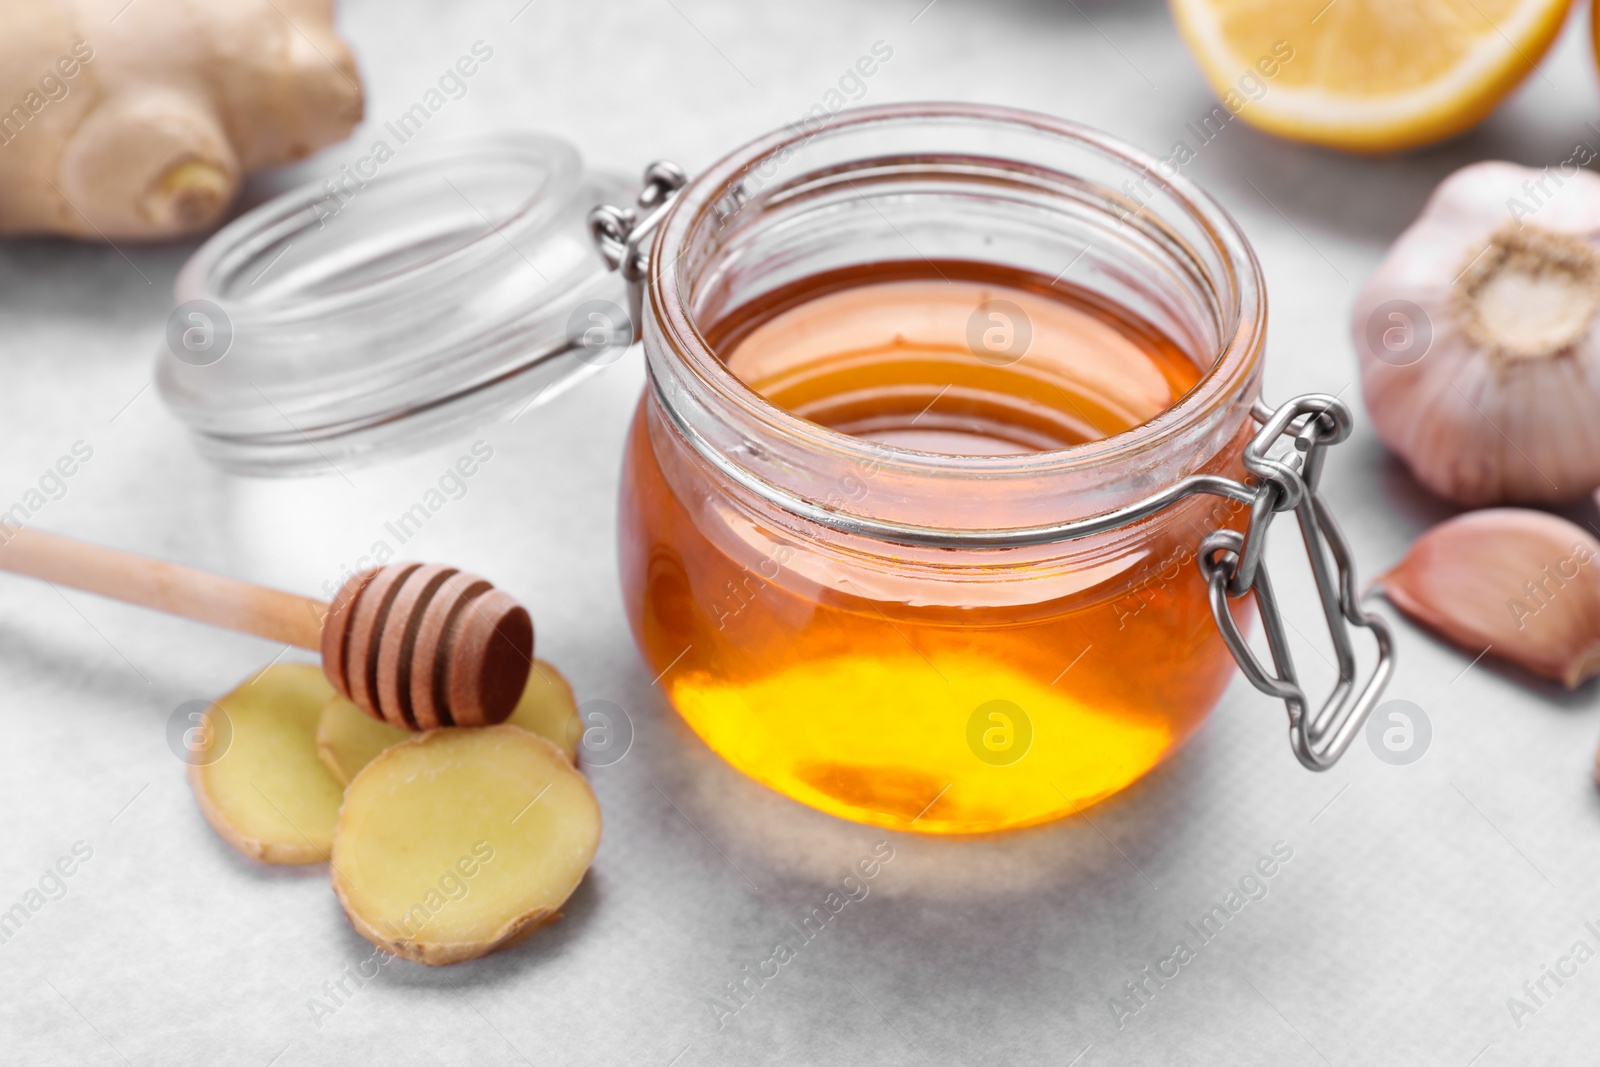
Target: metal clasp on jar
{"points": [[1231, 562], [623, 236], [1232, 565]]}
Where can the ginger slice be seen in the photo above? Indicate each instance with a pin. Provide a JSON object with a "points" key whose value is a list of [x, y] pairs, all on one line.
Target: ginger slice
{"points": [[457, 841], [348, 738], [549, 709], [268, 794]]}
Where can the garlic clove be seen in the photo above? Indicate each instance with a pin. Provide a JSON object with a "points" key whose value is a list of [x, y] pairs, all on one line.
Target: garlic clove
{"points": [[1479, 337], [1523, 585]]}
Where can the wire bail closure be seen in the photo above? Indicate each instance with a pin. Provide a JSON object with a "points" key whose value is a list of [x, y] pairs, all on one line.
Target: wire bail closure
{"points": [[623, 236], [1231, 563]]}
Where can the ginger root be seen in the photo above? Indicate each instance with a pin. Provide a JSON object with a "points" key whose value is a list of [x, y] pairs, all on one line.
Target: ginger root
{"points": [[549, 709], [348, 738], [267, 794], [458, 841], [139, 121]]}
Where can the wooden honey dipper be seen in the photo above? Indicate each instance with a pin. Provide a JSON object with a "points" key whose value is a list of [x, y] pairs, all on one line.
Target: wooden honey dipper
{"points": [[415, 645]]}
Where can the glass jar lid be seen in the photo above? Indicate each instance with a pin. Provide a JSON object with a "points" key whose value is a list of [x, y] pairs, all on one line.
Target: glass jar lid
{"points": [[419, 292]]}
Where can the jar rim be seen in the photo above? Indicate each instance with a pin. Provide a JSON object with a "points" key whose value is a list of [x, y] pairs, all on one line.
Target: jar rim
{"points": [[392, 305], [242, 245], [1233, 370]]}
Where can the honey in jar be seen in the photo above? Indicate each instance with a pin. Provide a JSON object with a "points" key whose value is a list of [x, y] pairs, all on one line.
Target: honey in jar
{"points": [[861, 377]]}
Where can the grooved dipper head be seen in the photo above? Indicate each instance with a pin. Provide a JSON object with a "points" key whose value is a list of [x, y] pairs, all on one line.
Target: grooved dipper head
{"points": [[420, 645]]}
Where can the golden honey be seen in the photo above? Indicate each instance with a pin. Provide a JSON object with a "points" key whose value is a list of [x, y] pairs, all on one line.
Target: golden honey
{"points": [[950, 692]]}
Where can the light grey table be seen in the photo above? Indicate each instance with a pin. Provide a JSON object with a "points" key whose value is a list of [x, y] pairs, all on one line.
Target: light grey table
{"points": [[1417, 900]]}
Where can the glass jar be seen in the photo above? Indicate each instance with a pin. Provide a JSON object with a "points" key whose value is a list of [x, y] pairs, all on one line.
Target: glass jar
{"points": [[397, 304], [929, 641]]}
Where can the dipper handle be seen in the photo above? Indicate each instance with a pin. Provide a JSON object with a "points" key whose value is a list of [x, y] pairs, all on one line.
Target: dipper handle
{"points": [[176, 590], [415, 645]]}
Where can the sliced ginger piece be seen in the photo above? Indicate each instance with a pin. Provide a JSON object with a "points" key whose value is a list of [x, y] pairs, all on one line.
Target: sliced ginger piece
{"points": [[457, 841], [348, 738], [549, 709], [268, 794]]}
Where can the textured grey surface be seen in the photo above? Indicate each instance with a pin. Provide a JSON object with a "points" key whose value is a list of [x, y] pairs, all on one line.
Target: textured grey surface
{"points": [[1418, 898]]}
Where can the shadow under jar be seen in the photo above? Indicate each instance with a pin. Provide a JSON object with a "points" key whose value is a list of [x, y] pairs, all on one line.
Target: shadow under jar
{"points": [[950, 320]]}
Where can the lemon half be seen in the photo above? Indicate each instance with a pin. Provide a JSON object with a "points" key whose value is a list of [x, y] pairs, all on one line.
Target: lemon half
{"points": [[1366, 75]]}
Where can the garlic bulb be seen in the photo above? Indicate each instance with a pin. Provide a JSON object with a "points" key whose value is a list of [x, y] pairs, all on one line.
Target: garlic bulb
{"points": [[1521, 585], [1480, 357]]}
